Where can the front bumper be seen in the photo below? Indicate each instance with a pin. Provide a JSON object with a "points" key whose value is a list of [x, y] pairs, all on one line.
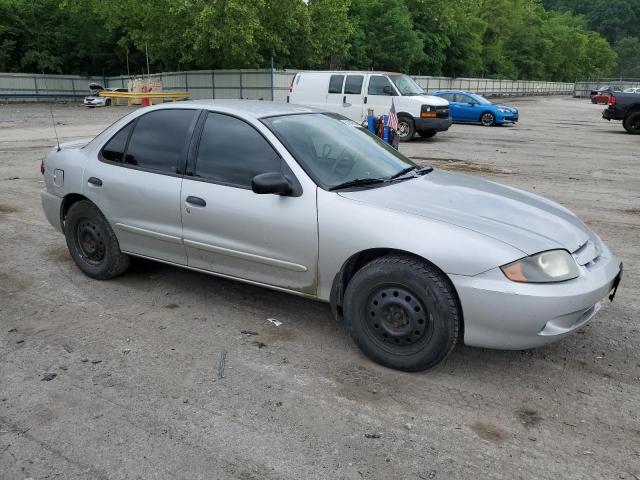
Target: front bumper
{"points": [[508, 118], [95, 102], [51, 204], [436, 124], [499, 313]]}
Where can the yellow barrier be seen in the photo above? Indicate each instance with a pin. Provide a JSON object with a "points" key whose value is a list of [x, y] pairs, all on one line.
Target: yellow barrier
{"points": [[130, 96]]}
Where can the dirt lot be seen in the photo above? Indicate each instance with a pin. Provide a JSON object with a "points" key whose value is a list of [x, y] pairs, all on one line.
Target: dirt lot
{"points": [[137, 393]]}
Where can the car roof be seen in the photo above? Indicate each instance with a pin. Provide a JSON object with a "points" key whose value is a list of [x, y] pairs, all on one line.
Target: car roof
{"points": [[454, 91], [357, 72], [245, 108]]}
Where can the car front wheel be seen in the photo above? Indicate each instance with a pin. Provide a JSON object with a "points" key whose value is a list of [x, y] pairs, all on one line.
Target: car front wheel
{"points": [[406, 129], [403, 313], [488, 119], [92, 243]]}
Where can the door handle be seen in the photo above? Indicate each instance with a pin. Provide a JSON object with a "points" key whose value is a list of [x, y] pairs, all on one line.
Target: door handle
{"points": [[196, 201], [96, 182], [344, 99], [365, 100]]}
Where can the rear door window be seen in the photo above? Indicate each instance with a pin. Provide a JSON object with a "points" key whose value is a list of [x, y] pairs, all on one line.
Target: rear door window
{"points": [[113, 151], [159, 138], [232, 152], [353, 84], [335, 83]]}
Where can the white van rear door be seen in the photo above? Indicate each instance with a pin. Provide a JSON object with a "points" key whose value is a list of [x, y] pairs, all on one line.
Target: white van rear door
{"points": [[334, 95], [353, 98]]}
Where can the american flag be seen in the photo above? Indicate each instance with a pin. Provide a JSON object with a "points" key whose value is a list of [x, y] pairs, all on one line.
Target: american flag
{"points": [[392, 123]]}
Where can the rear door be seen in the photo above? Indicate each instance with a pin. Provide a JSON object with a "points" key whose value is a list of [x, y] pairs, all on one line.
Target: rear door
{"points": [[353, 98], [228, 229], [334, 93], [136, 183]]}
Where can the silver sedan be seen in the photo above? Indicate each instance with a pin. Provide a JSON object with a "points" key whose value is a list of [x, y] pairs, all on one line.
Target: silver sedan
{"points": [[412, 259]]}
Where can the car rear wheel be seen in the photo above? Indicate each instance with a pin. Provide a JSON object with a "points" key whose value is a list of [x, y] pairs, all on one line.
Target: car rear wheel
{"points": [[403, 313], [427, 133], [92, 243], [632, 123], [406, 129], [488, 119]]}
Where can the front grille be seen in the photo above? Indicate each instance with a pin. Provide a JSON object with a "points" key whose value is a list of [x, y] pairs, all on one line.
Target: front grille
{"points": [[442, 112]]}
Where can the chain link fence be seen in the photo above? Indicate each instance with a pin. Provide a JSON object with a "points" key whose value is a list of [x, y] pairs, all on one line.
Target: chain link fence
{"points": [[260, 84]]}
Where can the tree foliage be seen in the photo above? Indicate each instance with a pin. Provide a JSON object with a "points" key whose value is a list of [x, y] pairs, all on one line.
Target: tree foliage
{"points": [[517, 39]]}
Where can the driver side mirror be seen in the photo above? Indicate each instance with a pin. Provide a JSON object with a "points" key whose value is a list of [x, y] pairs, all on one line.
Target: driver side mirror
{"points": [[387, 90], [274, 183]]}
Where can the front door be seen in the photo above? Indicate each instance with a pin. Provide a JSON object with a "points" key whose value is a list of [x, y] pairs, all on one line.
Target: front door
{"points": [[467, 108], [229, 229], [136, 183], [379, 95]]}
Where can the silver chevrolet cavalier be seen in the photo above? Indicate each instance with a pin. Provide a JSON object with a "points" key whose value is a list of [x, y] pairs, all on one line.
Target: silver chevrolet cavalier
{"points": [[414, 260]]}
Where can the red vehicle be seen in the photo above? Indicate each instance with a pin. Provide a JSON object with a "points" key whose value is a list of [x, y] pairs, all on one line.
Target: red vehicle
{"points": [[602, 95]]}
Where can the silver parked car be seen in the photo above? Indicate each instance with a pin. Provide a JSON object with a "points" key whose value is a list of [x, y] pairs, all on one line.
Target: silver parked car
{"points": [[413, 259]]}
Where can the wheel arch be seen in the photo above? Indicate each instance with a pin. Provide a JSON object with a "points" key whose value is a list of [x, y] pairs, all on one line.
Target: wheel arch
{"points": [[362, 258], [67, 202]]}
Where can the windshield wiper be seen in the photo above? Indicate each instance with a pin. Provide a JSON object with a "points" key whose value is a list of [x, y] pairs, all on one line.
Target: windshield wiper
{"points": [[418, 170], [357, 182]]}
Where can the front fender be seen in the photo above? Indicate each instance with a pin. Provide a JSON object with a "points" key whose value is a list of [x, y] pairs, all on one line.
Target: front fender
{"points": [[347, 227]]}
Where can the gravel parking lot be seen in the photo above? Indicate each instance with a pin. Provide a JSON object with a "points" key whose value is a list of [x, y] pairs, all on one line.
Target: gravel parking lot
{"points": [[137, 392]]}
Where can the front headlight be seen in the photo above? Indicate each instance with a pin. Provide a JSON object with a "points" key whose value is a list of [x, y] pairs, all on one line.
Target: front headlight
{"points": [[504, 110], [549, 266]]}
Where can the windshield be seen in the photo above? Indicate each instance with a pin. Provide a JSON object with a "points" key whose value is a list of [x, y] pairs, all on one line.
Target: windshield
{"points": [[406, 85], [333, 149], [480, 99]]}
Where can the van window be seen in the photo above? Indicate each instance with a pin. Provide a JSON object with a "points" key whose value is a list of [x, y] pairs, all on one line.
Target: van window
{"points": [[377, 84], [335, 84], [353, 85]]}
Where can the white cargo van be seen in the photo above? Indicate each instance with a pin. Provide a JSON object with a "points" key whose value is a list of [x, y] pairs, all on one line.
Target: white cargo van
{"points": [[352, 94]]}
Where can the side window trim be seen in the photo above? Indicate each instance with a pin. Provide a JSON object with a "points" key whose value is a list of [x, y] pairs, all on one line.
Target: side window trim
{"points": [[285, 169]]}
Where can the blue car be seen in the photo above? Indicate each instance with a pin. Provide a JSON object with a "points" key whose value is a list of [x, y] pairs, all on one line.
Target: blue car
{"points": [[467, 107]]}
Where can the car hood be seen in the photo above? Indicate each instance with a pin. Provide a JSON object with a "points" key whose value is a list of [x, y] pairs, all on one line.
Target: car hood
{"points": [[523, 220]]}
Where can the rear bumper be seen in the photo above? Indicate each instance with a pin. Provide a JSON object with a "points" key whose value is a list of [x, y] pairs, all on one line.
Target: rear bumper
{"points": [[610, 114], [52, 205], [435, 124], [507, 315]]}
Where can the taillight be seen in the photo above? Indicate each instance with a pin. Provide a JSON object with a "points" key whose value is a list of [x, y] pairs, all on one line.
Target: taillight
{"points": [[42, 166], [612, 100]]}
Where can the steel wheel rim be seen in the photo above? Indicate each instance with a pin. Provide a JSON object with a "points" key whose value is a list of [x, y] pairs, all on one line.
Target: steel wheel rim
{"points": [[635, 125], [403, 128], [397, 319], [90, 242], [487, 119]]}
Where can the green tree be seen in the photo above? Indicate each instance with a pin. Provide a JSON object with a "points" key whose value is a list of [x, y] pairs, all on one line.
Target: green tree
{"points": [[383, 38], [628, 50]]}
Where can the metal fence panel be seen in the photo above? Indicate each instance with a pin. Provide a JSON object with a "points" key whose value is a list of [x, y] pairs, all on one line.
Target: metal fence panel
{"points": [[256, 84]]}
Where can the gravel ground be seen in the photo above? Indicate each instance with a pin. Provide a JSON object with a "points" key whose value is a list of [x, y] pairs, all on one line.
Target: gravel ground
{"points": [[137, 392]]}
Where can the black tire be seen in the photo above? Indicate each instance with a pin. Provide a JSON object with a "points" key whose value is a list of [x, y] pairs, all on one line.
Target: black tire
{"points": [[107, 102], [632, 123], [92, 243], [427, 133], [406, 128], [402, 313], [488, 119]]}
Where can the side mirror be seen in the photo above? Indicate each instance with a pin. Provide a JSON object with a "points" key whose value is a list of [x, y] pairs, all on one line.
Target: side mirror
{"points": [[271, 183], [387, 90], [473, 104]]}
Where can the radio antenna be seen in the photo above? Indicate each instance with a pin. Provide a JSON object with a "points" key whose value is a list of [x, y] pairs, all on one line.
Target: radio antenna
{"points": [[53, 120]]}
